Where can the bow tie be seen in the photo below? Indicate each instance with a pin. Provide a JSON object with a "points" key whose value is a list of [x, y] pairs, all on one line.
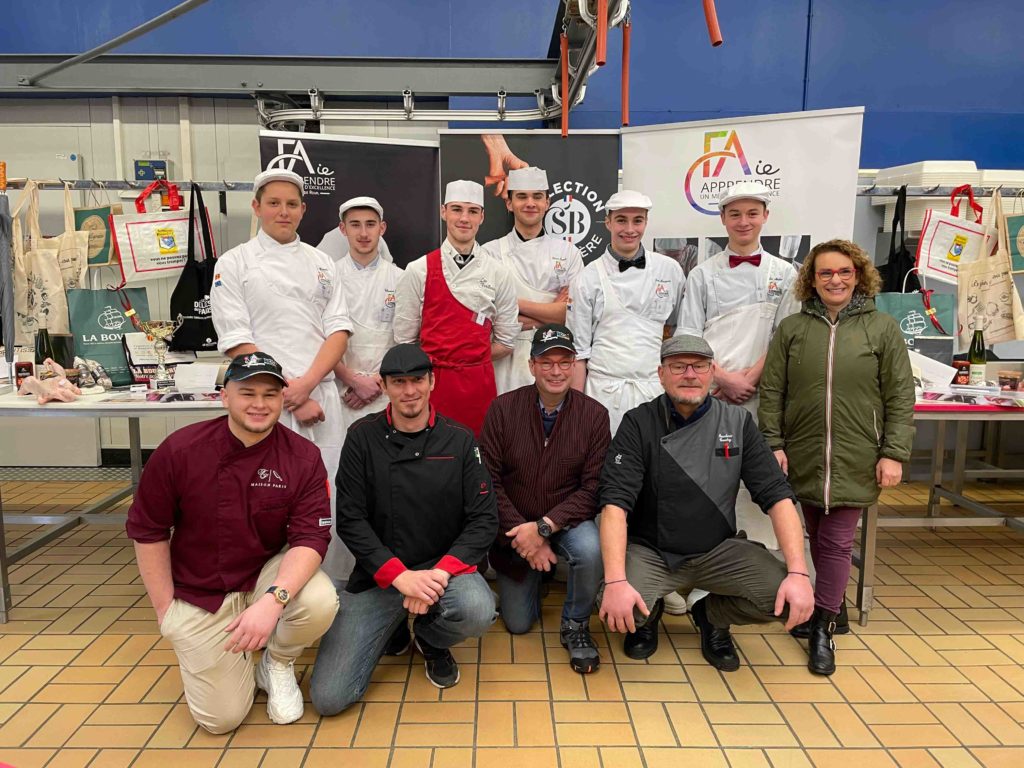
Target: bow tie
{"points": [[735, 261], [639, 262]]}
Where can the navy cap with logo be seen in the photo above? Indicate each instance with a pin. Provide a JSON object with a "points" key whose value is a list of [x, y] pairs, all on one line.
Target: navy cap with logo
{"points": [[405, 360], [254, 364], [552, 336]]}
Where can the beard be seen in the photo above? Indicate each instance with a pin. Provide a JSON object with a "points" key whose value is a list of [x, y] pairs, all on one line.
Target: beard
{"points": [[687, 399]]}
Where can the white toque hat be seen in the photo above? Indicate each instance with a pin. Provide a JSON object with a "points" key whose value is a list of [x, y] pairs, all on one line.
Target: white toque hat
{"points": [[743, 190], [361, 202], [277, 174], [527, 179], [628, 198], [463, 191]]}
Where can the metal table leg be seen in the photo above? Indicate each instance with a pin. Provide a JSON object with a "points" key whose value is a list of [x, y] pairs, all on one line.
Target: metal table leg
{"points": [[938, 455], [135, 450], [5, 585], [960, 456], [866, 579]]}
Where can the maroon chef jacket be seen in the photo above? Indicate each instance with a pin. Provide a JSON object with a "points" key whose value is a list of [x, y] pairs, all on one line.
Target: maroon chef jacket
{"points": [[231, 508]]}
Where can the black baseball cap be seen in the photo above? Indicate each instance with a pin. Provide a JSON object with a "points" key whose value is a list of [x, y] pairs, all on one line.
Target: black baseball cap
{"points": [[253, 364], [405, 360], [552, 336]]}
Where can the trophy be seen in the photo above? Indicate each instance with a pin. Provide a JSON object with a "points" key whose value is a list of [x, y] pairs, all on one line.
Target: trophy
{"points": [[161, 331]]}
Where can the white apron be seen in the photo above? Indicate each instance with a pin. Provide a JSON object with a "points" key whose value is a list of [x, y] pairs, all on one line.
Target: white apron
{"points": [[622, 371], [372, 338], [513, 371], [289, 288], [739, 338]]}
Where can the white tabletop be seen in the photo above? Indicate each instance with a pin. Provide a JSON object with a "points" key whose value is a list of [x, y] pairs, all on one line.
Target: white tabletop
{"points": [[94, 405]]}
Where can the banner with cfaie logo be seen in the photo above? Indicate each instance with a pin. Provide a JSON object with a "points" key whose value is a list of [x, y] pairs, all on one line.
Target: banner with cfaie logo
{"points": [[582, 170]]}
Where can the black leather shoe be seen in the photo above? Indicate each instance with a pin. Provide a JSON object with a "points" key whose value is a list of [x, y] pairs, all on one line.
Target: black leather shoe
{"points": [[821, 649], [715, 644], [803, 631], [644, 642]]}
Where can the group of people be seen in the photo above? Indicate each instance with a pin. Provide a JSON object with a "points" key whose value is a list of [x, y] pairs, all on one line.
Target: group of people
{"points": [[389, 434]]}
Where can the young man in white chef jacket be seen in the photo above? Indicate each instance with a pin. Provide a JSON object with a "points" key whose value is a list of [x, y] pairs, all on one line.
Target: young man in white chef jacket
{"points": [[542, 267], [278, 295]]}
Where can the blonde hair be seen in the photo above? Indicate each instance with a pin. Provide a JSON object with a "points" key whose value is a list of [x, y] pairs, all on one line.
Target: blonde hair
{"points": [[869, 282]]}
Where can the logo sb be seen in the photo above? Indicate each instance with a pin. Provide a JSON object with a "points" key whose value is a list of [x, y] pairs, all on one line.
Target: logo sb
{"points": [[568, 219]]}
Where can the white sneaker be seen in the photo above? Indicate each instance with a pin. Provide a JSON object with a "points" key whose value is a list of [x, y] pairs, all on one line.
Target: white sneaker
{"points": [[284, 699], [675, 604]]}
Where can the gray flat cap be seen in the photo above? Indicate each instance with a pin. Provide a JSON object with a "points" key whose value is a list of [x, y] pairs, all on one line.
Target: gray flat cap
{"points": [[685, 344]]}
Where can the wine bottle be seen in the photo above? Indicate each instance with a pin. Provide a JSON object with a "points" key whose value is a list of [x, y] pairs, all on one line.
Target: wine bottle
{"points": [[44, 346], [976, 353]]}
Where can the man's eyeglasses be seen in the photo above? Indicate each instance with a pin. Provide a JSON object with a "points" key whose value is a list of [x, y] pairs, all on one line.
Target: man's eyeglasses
{"points": [[844, 274], [548, 365], [678, 369]]}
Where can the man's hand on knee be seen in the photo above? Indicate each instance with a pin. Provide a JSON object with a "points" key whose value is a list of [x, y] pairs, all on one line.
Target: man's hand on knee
{"points": [[252, 627], [415, 607], [617, 606], [795, 591], [427, 586]]}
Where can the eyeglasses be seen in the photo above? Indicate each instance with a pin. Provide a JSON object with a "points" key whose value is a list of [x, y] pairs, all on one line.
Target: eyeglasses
{"points": [[678, 369], [548, 365], [844, 274]]}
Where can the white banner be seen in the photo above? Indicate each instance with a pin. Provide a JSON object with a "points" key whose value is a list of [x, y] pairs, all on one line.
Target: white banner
{"points": [[807, 161]]}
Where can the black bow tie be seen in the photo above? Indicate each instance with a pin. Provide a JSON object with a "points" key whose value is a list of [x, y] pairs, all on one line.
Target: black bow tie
{"points": [[639, 262]]}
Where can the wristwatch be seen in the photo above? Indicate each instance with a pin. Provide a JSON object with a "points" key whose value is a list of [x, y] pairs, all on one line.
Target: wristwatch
{"points": [[543, 528], [280, 594]]}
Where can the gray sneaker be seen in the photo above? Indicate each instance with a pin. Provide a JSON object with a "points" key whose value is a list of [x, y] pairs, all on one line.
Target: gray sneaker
{"points": [[583, 655]]}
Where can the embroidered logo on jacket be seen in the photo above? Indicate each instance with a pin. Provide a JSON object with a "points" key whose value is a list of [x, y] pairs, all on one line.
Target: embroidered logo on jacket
{"points": [[268, 478]]}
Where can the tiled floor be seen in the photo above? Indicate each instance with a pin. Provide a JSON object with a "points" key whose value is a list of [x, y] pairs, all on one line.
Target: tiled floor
{"points": [[936, 679]]}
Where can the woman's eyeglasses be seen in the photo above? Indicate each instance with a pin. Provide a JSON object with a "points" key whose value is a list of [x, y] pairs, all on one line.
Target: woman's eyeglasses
{"points": [[844, 274]]}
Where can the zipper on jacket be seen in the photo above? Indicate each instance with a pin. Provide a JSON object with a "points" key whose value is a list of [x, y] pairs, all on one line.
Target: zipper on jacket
{"points": [[828, 410], [874, 422]]}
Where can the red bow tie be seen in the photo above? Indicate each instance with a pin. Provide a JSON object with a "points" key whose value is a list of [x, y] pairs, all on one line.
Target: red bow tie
{"points": [[735, 261]]}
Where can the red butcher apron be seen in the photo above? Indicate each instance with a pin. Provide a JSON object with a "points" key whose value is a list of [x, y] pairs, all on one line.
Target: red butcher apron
{"points": [[458, 342]]}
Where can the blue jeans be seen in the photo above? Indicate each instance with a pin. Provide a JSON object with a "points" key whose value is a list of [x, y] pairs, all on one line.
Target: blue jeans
{"points": [[350, 650], [581, 548]]}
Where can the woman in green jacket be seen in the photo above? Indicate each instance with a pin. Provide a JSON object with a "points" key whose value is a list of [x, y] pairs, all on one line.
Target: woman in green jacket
{"points": [[837, 407]]}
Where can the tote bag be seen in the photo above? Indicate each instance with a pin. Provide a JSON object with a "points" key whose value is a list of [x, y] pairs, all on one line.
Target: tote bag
{"points": [[987, 293], [948, 242], [98, 323], [95, 219], [151, 246], [73, 250], [900, 265], [191, 297], [39, 298]]}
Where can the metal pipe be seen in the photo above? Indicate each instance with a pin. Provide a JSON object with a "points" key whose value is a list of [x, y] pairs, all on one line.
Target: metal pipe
{"points": [[565, 84], [99, 50], [711, 17], [602, 32], [627, 28]]}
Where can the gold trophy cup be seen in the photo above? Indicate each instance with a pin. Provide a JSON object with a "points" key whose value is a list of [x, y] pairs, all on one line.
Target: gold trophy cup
{"points": [[161, 331]]}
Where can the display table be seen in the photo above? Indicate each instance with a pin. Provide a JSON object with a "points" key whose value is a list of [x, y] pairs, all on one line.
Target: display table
{"points": [[86, 406], [941, 414]]}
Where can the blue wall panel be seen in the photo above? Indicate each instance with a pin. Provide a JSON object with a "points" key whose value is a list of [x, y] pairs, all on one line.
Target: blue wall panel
{"points": [[940, 79]]}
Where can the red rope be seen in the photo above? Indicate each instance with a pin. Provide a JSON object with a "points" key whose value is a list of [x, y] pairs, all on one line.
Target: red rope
{"points": [[626, 29], [565, 85]]}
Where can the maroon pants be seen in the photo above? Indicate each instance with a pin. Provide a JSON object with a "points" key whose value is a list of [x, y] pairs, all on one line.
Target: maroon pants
{"points": [[831, 538]]}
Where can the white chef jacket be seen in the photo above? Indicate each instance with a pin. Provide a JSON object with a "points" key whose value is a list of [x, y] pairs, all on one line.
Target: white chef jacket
{"points": [[653, 292], [545, 263], [713, 289], [335, 245], [484, 286], [285, 299]]}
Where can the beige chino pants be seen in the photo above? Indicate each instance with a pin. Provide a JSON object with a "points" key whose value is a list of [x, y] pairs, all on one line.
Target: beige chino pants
{"points": [[219, 685]]}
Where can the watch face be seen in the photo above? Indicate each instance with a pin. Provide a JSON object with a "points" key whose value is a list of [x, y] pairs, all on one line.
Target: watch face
{"points": [[282, 595]]}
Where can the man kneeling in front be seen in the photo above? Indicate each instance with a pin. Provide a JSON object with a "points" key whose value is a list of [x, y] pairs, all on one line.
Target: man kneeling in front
{"points": [[415, 508], [248, 504], [668, 490]]}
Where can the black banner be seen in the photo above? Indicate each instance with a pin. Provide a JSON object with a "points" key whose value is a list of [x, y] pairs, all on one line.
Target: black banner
{"points": [[401, 175], [583, 172]]}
